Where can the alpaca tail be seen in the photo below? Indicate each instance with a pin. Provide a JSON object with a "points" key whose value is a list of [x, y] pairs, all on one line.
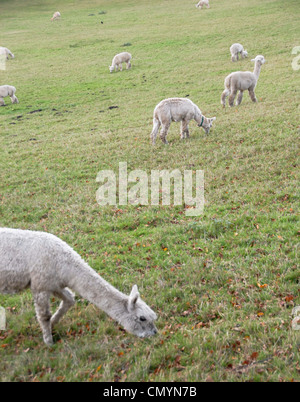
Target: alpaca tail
{"points": [[226, 92], [156, 125], [227, 82]]}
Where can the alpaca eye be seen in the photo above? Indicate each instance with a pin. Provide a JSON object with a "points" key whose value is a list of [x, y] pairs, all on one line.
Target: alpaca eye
{"points": [[142, 318]]}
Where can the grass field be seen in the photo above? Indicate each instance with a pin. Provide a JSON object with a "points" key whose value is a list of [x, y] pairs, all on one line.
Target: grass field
{"points": [[223, 284]]}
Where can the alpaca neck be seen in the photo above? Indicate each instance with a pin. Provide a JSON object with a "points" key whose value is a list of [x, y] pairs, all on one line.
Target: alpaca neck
{"points": [[89, 285], [257, 69], [199, 118]]}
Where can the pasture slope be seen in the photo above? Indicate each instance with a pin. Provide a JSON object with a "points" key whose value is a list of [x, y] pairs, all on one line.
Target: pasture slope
{"points": [[223, 284]]}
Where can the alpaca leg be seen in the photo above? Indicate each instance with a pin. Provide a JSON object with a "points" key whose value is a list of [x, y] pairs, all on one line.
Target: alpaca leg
{"points": [[240, 98], [2, 103], [232, 97], [184, 130], [120, 67], [164, 132], [68, 301], [252, 95], [187, 132], [224, 96], [42, 308], [128, 65]]}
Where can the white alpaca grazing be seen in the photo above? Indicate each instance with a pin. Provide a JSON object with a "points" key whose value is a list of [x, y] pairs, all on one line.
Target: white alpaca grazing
{"points": [[177, 109], [120, 58], [8, 90], [242, 81], [47, 265], [56, 16], [202, 3], [6, 52], [237, 49]]}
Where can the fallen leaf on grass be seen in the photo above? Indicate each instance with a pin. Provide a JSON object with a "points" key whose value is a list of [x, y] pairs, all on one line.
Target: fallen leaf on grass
{"points": [[254, 356], [262, 286]]}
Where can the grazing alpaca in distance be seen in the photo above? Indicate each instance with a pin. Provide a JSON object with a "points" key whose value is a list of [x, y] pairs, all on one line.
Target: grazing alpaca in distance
{"points": [[177, 109], [120, 58], [237, 49], [242, 81], [56, 16], [8, 90], [203, 3], [48, 266], [6, 52]]}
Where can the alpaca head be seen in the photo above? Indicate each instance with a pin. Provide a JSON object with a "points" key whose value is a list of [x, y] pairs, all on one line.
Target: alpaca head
{"points": [[259, 59], [207, 124], [244, 54], [139, 319], [111, 68]]}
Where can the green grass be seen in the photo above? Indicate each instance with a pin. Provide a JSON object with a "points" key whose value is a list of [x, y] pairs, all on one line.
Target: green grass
{"points": [[200, 274]]}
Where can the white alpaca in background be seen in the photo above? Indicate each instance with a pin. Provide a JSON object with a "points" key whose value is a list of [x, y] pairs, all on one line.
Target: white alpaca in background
{"points": [[56, 16], [120, 58], [237, 49], [8, 90], [178, 109], [6, 53], [203, 3], [242, 81], [47, 265]]}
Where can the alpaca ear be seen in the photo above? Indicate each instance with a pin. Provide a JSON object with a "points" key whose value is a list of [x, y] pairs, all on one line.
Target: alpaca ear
{"points": [[252, 59], [213, 118], [133, 298]]}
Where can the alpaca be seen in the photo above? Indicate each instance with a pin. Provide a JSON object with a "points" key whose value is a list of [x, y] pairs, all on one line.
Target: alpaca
{"points": [[6, 52], [47, 265], [7, 90], [242, 81], [177, 109], [56, 16], [203, 3], [120, 58], [237, 49]]}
